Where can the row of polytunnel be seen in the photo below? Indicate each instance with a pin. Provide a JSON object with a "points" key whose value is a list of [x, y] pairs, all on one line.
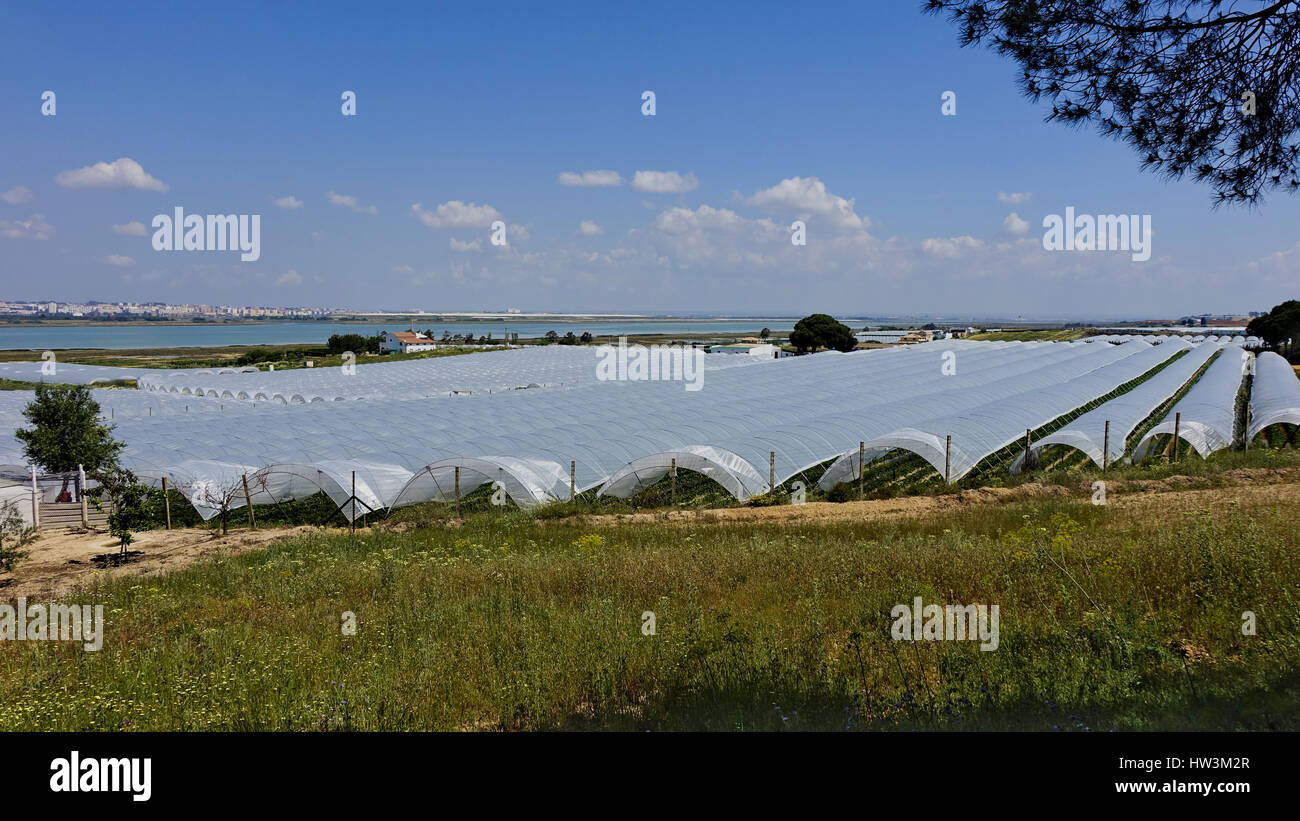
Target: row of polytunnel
{"points": [[752, 423]]}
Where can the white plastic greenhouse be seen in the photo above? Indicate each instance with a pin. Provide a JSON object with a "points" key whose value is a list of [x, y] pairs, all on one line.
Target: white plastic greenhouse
{"points": [[1207, 414], [1274, 394]]}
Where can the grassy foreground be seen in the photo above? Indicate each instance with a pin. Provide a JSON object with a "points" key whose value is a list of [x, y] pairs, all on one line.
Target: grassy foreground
{"points": [[1109, 619]]}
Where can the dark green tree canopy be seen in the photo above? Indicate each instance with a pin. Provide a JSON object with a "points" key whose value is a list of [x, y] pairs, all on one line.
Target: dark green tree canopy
{"points": [[1200, 86], [66, 431], [822, 331], [1279, 327]]}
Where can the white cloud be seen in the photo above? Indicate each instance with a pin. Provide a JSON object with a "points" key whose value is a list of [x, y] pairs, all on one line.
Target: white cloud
{"points": [[1015, 198], [131, 229], [17, 194], [34, 228], [123, 172], [403, 269], [289, 278], [807, 197], [664, 182], [291, 202], [456, 214], [587, 228], [345, 201], [950, 247], [519, 232], [1014, 225], [119, 260], [462, 247], [591, 179]]}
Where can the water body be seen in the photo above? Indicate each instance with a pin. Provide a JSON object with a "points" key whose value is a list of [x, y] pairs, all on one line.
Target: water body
{"points": [[57, 337]]}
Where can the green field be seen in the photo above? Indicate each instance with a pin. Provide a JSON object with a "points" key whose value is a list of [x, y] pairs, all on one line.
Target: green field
{"points": [[1050, 335], [1111, 618]]}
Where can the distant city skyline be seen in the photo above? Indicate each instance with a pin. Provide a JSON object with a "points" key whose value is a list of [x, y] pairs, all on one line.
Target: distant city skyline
{"points": [[527, 125]]}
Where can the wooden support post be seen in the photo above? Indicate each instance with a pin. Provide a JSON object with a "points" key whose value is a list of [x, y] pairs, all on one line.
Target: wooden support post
{"points": [[36, 500], [1028, 441], [771, 472], [862, 458], [81, 495], [947, 459], [167, 504], [1105, 448], [1178, 424], [248, 502], [573, 479], [673, 493], [353, 523], [456, 491]]}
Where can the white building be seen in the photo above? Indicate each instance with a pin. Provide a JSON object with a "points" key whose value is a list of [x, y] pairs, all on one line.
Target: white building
{"points": [[405, 342]]}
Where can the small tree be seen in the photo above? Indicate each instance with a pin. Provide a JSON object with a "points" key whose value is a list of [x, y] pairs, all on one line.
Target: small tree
{"points": [[14, 534], [766, 333], [822, 331], [66, 432]]}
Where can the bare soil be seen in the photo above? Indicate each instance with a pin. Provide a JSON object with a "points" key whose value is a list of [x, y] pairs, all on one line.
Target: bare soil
{"points": [[61, 560]]}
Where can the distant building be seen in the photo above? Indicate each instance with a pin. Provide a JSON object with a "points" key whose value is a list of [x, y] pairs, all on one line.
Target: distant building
{"points": [[405, 342], [762, 350], [913, 337]]}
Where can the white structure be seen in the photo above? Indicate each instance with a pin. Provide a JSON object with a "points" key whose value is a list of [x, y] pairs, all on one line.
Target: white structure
{"points": [[405, 342]]}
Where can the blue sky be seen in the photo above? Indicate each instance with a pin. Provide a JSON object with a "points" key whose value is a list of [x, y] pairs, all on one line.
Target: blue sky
{"points": [[830, 114]]}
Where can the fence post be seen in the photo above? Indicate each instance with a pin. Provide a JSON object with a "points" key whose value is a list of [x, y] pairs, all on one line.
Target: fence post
{"points": [[947, 459], [456, 491], [862, 457], [1105, 448], [36, 505], [673, 494], [248, 502], [167, 504], [573, 479], [81, 495], [771, 472], [1178, 423]]}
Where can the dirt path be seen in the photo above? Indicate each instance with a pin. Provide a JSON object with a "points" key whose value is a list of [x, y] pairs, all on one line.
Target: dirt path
{"points": [[59, 561], [1177, 492]]}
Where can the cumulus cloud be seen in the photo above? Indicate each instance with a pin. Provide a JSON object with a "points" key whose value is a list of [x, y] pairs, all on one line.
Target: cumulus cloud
{"points": [[289, 278], [1015, 198], [291, 202], [587, 228], [119, 260], [123, 172], [17, 194], [664, 182], [591, 179], [950, 247], [345, 201], [462, 247], [131, 229], [457, 214], [807, 197], [34, 228], [1014, 225]]}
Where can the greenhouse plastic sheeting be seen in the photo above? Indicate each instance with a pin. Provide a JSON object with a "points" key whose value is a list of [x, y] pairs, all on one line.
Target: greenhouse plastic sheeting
{"points": [[735, 475], [1125, 412], [1208, 409], [805, 410], [982, 422], [1274, 394]]}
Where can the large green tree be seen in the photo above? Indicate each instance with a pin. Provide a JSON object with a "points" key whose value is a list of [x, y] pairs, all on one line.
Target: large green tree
{"points": [[67, 431], [1194, 86], [1279, 328], [822, 331]]}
